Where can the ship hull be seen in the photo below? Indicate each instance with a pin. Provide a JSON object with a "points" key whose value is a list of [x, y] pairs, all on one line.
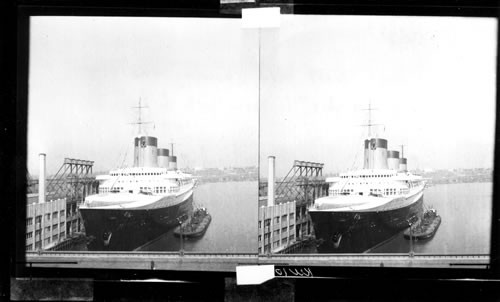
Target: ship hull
{"points": [[360, 231], [128, 229]]}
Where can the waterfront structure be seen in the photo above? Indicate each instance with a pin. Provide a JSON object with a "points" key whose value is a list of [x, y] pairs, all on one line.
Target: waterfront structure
{"points": [[276, 221], [276, 227], [366, 207], [73, 181], [45, 220], [303, 184], [283, 216], [45, 224]]}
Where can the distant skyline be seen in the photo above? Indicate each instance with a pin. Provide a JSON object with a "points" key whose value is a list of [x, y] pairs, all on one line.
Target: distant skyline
{"points": [[431, 79], [198, 77]]}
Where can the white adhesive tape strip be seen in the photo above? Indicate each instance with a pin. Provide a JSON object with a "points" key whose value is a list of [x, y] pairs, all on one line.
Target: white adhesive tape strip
{"points": [[265, 17], [254, 274]]}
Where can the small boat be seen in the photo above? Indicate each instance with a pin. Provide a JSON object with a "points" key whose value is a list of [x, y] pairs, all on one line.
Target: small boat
{"points": [[196, 226], [426, 227]]}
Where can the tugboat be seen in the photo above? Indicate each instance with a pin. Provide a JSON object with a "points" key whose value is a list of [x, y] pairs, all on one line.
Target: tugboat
{"points": [[196, 226], [426, 227]]}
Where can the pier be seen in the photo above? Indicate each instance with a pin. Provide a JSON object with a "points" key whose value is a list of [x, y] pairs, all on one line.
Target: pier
{"points": [[225, 262], [284, 221], [53, 221]]}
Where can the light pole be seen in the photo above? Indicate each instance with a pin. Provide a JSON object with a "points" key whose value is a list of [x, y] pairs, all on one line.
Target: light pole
{"points": [[181, 249], [411, 238]]}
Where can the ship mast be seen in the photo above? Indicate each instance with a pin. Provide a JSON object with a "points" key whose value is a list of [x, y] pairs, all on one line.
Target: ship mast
{"points": [[139, 119], [369, 118], [369, 125]]}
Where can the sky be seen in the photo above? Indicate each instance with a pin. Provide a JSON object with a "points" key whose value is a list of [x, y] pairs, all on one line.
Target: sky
{"points": [[198, 78], [431, 80]]}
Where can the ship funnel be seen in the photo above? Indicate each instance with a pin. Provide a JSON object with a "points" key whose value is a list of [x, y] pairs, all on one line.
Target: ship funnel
{"points": [[402, 165], [393, 160], [146, 151], [162, 158], [377, 153], [270, 181], [172, 162], [136, 152], [42, 186], [366, 158]]}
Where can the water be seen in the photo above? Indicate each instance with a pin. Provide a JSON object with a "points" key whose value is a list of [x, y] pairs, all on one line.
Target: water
{"points": [[465, 211], [233, 207]]}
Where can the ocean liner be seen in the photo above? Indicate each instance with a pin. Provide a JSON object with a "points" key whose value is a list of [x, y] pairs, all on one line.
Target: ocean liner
{"points": [[366, 207], [137, 204]]}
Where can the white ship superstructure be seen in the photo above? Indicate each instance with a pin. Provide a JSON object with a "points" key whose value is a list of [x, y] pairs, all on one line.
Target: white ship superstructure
{"points": [[147, 185], [140, 188], [366, 190]]}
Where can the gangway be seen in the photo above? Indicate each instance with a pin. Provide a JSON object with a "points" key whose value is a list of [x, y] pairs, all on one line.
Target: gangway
{"points": [[73, 181], [303, 183]]}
